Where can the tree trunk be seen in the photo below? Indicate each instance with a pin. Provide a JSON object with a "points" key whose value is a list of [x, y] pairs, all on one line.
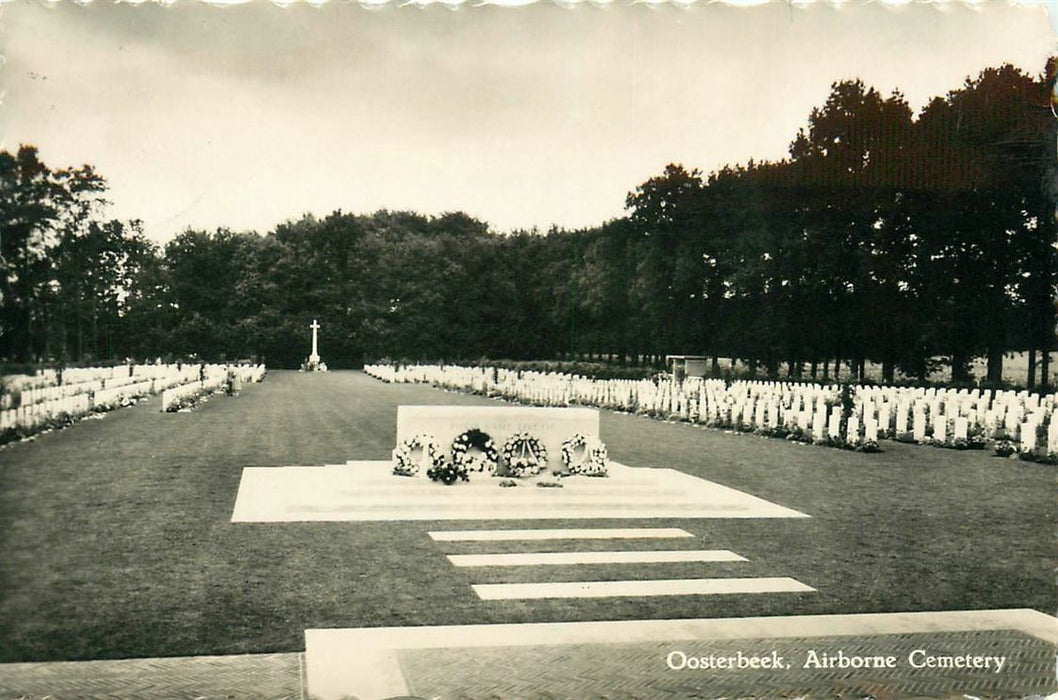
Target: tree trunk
{"points": [[959, 372], [1030, 380], [47, 332], [888, 370], [29, 332], [1045, 368], [80, 335], [994, 374]]}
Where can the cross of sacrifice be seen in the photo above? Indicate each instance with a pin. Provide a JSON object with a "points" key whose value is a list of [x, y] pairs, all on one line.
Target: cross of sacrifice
{"points": [[315, 327]]}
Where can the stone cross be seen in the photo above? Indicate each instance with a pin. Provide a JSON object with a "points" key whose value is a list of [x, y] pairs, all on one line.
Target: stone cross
{"points": [[315, 351]]}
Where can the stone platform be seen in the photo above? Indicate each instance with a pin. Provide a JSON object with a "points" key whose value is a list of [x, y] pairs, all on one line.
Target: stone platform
{"points": [[368, 490]]}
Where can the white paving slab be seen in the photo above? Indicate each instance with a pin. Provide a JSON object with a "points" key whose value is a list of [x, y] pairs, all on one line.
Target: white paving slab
{"points": [[363, 663], [598, 533], [621, 557], [622, 589], [366, 491]]}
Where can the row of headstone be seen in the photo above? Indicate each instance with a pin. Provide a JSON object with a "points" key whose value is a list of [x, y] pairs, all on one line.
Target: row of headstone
{"points": [[945, 417], [109, 389], [88, 380], [36, 415], [174, 397], [91, 380]]}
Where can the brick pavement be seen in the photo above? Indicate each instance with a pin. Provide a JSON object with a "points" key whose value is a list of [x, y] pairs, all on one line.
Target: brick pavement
{"points": [[639, 670], [597, 671], [256, 676]]}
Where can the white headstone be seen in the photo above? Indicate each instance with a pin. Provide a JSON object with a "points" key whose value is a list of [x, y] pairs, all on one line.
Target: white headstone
{"points": [[870, 430], [901, 419], [834, 426], [962, 427], [919, 425], [852, 432], [1028, 436], [819, 426], [940, 429]]}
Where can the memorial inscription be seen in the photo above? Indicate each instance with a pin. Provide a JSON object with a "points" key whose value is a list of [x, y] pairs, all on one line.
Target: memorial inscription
{"points": [[549, 425]]}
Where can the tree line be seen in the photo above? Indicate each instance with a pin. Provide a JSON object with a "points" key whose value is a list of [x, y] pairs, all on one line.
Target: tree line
{"points": [[883, 236]]}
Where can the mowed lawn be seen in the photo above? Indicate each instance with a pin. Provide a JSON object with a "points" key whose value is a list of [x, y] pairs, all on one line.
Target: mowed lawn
{"points": [[115, 540]]}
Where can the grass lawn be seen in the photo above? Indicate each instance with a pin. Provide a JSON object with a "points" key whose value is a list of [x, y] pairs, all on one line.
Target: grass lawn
{"points": [[115, 540]]}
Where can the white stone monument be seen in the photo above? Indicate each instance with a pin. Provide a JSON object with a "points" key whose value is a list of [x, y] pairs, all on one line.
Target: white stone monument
{"points": [[314, 363], [552, 426]]}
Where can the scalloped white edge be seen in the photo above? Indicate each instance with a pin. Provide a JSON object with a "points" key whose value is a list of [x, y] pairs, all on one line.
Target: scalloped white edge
{"points": [[1050, 5]]}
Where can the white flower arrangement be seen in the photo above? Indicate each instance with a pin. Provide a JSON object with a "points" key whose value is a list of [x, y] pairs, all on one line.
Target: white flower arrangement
{"points": [[524, 455], [404, 463], [488, 459], [569, 450], [593, 461]]}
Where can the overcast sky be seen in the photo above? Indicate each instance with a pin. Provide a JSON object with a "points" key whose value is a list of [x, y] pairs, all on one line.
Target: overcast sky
{"points": [[246, 116]]}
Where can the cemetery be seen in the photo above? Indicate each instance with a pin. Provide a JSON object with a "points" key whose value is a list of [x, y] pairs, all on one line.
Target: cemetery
{"points": [[318, 545], [528, 356], [1014, 423]]}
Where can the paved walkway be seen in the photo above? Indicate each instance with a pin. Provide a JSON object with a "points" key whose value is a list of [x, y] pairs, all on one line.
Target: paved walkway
{"points": [[909, 655], [660, 670], [265, 676], [982, 654]]}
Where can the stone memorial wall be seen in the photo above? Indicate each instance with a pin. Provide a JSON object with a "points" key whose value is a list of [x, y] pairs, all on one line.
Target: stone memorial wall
{"points": [[551, 426]]}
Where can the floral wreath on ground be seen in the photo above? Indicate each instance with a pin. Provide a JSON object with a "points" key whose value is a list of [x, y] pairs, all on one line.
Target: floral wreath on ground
{"points": [[448, 473], [593, 461], [404, 465], [475, 438], [524, 455]]}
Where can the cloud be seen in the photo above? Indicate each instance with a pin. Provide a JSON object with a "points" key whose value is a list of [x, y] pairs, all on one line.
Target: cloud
{"points": [[248, 115]]}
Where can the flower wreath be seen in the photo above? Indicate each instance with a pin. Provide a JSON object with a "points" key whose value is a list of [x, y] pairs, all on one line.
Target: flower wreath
{"points": [[592, 463], [448, 473], [475, 437], [524, 455], [404, 465], [569, 448]]}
